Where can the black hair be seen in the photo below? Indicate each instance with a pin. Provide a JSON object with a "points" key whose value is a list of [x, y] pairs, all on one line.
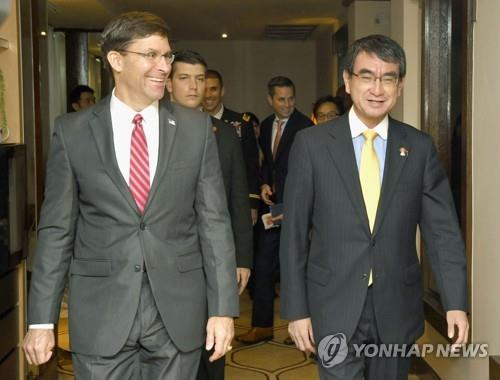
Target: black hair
{"points": [[383, 47], [279, 81]]}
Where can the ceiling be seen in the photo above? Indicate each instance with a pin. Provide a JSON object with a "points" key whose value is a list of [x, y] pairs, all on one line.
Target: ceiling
{"points": [[208, 19]]}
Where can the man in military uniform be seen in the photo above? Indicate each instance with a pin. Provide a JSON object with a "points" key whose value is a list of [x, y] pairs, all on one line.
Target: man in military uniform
{"points": [[214, 91]]}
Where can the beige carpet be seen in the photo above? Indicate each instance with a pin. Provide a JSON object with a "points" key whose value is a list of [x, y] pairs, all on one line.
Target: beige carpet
{"points": [[263, 361]]}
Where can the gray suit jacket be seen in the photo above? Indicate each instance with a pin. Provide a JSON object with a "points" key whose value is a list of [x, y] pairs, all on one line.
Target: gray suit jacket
{"points": [[91, 228], [327, 249]]}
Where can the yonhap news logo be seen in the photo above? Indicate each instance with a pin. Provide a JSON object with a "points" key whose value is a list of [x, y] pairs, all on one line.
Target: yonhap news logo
{"points": [[333, 350]]}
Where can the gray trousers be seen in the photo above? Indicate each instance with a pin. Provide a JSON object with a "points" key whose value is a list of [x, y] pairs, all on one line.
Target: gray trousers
{"points": [[366, 368], [148, 353]]}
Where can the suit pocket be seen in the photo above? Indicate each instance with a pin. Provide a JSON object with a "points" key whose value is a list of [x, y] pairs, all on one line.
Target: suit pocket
{"points": [[189, 262], [319, 275], [91, 268], [179, 165], [412, 274]]}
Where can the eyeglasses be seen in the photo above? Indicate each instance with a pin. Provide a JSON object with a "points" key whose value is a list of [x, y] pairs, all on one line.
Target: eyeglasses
{"points": [[328, 116], [370, 79], [153, 56]]}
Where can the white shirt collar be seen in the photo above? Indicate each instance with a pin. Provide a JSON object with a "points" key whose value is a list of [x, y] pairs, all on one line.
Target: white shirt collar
{"points": [[358, 127], [276, 119], [120, 108], [219, 113]]}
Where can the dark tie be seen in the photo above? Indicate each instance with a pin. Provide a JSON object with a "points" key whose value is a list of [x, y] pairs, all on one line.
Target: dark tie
{"points": [[139, 165]]}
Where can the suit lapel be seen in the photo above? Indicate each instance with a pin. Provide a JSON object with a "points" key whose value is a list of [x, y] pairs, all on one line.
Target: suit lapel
{"points": [[394, 164], [266, 138], [341, 150], [100, 125], [167, 130]]}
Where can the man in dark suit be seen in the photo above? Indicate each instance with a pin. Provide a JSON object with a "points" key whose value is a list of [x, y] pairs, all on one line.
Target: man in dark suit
{"points": [[276, 137], [212, 103], [186, 85], [135, 212], [357, 189]]}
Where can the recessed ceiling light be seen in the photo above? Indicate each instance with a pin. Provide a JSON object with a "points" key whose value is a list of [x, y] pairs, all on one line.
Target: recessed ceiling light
{"points": [[43, 33], [224, 35]]}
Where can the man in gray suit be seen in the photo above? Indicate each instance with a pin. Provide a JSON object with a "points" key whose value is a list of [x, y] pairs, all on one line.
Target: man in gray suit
{"points": [[186, 86], [357, 188], [135, 212]]}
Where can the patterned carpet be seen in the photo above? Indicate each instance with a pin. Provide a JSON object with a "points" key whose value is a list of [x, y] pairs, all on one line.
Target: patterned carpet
{"points": [[271, 360]]}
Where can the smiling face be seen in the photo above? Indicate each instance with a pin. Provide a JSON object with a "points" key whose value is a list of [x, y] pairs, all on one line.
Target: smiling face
{"points": [[187, 84], [282, 101], [213, 96], [372, 101], [140, 81]]}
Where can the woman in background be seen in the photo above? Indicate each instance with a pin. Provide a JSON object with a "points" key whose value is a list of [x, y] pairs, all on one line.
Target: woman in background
{"points": [[327, 108]]}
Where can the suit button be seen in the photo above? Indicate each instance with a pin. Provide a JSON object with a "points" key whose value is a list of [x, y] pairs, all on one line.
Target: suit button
{"points": [[137, 268], [143, 226], [373, 242]]}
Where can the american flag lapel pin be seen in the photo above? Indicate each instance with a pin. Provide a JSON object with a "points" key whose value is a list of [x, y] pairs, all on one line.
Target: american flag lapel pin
{"points": [[403, 152]]}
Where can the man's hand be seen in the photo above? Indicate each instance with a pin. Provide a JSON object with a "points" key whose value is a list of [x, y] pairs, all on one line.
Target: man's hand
{"points": [[38, 345], [220, 333], [459, 319], [277, 218], [302, 334], [242, 275], [265, 193], [254, 215]]}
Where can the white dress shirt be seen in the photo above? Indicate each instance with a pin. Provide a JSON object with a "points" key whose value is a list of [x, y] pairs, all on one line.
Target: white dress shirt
{"points": [[218, 114], [122, 121]]}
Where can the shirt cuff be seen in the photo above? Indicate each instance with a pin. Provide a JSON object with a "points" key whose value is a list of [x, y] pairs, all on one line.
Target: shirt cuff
{"points": [[41, 326]]}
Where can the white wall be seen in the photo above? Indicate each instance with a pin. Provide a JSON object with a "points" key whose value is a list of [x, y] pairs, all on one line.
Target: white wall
{"points": [[406, 22], [369, 17], [247, 66], [326, 78]]}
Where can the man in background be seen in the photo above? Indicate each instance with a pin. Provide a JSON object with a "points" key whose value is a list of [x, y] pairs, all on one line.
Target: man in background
{"points": [[186, 85], [212, 104], [81, 97], [276, 137]]}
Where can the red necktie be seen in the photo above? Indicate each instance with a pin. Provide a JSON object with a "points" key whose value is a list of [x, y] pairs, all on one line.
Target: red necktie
{"points": [[139, 165]]}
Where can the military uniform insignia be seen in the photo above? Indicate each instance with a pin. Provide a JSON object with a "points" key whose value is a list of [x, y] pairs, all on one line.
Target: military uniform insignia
{"points": [[246, 117], [237, 127]]}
